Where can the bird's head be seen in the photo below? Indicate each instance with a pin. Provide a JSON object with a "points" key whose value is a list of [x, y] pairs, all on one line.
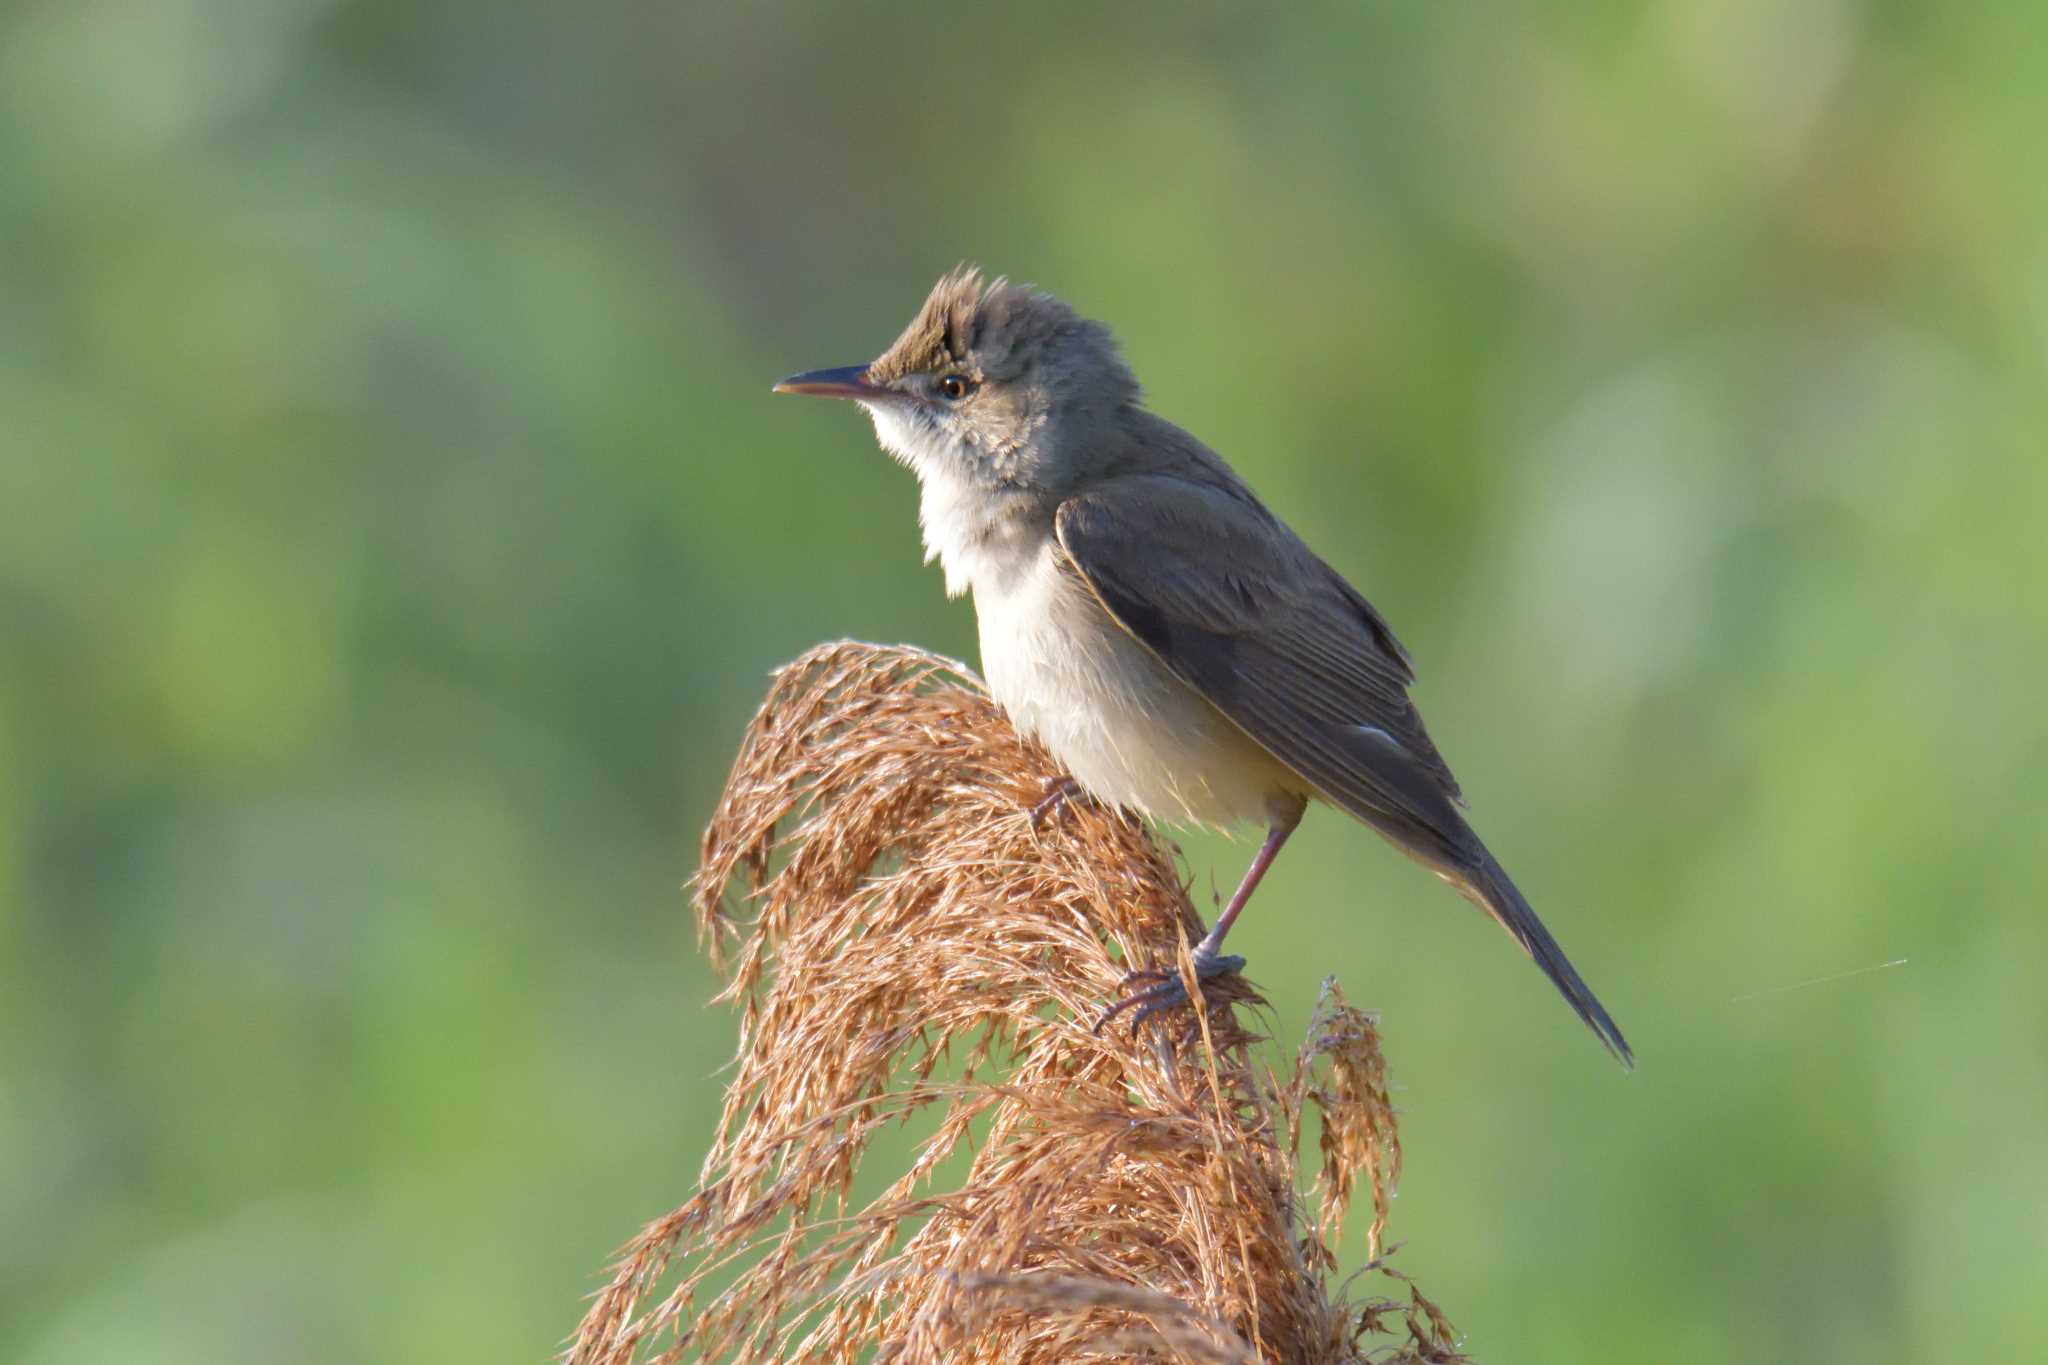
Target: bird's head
{"points": [[992, 386]]}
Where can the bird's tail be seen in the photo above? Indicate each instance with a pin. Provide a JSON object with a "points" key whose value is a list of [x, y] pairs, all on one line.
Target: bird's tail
{"points": [[1488, 886]]}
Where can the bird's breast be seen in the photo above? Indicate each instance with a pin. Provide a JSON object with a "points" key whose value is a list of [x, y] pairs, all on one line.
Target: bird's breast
{"points": [[1130, 732]]}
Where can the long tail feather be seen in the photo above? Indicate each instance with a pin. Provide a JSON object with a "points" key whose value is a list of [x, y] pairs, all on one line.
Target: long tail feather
{"points": [[1491, 888]]}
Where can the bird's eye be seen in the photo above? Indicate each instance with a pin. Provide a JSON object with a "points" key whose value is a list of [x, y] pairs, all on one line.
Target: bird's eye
{"points": [[954, 387]]}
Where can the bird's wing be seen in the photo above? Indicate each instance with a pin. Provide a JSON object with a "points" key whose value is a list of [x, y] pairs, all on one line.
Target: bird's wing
{"points": [[1245, 614], [1240, 610]]}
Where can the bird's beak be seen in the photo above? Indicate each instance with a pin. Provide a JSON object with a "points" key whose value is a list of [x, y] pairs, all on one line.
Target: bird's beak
{"points": [[850, 382]]}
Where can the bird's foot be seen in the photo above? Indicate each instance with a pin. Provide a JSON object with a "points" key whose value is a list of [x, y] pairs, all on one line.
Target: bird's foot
{"points": [[1058, 791], [1167, 991]]}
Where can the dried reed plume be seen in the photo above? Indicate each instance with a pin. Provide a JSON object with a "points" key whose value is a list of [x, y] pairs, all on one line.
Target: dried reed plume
{"points": [[1124, 1198]]}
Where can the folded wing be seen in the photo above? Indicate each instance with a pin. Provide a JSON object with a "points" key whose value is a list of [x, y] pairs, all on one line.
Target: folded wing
{"points": [[1244, 613], [1240, 610]]}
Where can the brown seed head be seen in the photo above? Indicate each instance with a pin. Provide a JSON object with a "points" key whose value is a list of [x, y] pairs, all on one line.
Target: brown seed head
{"points": [[906, 944]]}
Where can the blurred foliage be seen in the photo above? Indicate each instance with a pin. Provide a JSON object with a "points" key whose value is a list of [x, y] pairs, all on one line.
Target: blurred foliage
{"points": [[395, 532]]}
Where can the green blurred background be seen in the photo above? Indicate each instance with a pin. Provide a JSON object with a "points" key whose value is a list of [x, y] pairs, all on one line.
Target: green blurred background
{"points": [[396, 531]]}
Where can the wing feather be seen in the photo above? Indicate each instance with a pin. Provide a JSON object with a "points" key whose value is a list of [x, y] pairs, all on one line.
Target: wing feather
{"points": [[1244, 613], [1240, 610]]}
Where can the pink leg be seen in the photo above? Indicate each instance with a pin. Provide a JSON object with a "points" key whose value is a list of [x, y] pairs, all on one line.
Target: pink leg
{"points": [[1268, 850], [1166, 992]]}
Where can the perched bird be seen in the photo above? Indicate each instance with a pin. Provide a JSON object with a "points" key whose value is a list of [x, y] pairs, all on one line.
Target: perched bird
{"points": [[1171, 642]]}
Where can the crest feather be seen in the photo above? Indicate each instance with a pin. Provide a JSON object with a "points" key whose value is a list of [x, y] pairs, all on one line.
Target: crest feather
{"points": [[1001, 332], [943, 329]]}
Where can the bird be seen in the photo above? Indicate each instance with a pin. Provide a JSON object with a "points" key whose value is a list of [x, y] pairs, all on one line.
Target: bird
{"points": [[1142, 614]]}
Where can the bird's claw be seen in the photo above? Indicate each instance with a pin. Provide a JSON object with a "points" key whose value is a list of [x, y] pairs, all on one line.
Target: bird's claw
{"points": [[1058, 791], [1167, 991]]}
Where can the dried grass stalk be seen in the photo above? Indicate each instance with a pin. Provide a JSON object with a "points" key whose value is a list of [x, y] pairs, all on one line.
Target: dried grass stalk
{"points": [[1124, 1198]]}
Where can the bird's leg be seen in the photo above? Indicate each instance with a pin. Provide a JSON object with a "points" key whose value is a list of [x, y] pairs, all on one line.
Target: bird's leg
{"points": [[1058, 791], [1167, 991]]}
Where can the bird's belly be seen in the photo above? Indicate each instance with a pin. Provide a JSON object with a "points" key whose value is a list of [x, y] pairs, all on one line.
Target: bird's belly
{"points": [[1130, 732]]}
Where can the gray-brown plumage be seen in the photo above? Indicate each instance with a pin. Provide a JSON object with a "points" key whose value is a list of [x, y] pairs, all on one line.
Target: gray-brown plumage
{"points": [[1171, 641]]}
